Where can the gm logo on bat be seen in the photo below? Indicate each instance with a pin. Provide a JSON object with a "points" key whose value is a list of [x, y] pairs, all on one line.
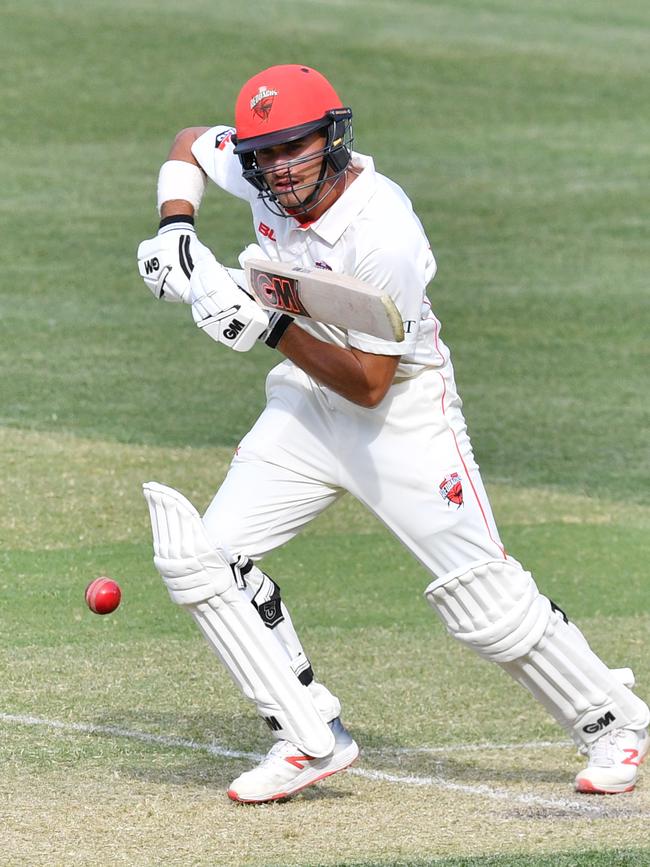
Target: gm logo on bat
{"points": [[281, 293]]}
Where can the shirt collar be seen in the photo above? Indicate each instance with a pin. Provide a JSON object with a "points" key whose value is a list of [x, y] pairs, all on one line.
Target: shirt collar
{"points": [[331, 225]]}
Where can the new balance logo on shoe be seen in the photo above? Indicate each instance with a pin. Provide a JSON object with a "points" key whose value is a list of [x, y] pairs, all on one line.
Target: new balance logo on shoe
{"points": [[600, 724], [632, 758], [286, 770], [614, 759], [299, 761]]}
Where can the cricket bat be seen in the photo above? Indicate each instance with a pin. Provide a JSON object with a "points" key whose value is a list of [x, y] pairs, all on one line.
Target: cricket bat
{"points": [[324, 296]]}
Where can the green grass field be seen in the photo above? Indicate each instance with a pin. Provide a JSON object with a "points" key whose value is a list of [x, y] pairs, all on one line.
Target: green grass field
{"points": [[521, 132]]}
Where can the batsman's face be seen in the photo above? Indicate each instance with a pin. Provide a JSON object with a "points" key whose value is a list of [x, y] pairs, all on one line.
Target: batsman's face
{"points": [[292, 170]]}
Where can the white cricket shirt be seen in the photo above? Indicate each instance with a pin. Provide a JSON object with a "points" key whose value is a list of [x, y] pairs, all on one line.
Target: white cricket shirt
{"points": [[370, 232]]}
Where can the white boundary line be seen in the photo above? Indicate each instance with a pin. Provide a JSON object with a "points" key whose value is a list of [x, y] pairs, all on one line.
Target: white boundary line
{"points": [[117, 731], [465, 748], [580, 807], [529, 800]]}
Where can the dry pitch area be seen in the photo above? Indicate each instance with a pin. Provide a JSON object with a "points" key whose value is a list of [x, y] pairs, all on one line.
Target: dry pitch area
{"points": [[169, 806], [498, 801], [119, 735]]}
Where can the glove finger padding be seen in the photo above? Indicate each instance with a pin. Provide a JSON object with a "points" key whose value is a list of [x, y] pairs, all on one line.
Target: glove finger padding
{"points": [[166, 262], [252, 251], [222, 309]]}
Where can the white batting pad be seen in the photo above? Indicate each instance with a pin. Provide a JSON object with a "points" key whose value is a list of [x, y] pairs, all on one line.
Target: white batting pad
{"points": [[192, 569], [495, 607], [497, 610], [199, 577], [260, 669], [261, 590]]}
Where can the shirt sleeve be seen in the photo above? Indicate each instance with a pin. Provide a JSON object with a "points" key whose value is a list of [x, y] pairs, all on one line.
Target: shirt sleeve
{"points": [[402, 268], [214, 152]]}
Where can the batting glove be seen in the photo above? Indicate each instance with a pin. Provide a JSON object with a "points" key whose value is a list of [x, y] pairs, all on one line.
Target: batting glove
{"points": [[222, 309], [166, 262]]}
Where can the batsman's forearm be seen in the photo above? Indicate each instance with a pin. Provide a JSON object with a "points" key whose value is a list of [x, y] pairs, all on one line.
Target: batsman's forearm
{"points": [[359, 377], [179, 153], [176, 207]]}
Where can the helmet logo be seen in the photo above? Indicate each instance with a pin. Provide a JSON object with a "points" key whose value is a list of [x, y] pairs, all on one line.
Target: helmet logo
{"points": [[262, 103]]}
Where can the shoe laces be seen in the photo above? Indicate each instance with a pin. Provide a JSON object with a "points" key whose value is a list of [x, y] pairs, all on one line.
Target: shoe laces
{"points": [[606, 751], [278, 751]]}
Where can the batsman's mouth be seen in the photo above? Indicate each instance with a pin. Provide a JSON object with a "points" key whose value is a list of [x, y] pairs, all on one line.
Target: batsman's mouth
{"points": [[283, 186], [292, 193], [286, 182]]}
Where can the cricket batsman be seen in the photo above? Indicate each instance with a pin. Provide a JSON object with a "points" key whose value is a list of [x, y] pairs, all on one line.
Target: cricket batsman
{"points": [[346, 411]]}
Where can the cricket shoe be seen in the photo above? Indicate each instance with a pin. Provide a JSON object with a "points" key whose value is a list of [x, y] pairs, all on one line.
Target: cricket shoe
{"points": [[286, 769], [614, 760]]}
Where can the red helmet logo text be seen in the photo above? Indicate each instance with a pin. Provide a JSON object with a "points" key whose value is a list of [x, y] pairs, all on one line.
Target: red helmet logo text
{"points": [[262, 103]]}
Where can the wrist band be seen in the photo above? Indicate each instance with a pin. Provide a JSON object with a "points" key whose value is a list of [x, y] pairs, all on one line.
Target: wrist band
{"points": [[178, 180], [174, 219], [278, 324]]}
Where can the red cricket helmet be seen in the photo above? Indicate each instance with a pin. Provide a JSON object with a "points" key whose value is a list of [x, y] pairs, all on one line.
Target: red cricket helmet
{"points": [[281, 104]]}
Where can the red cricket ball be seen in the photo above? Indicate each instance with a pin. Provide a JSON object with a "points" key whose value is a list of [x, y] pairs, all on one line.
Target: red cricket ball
{"points": [[103, 595]]}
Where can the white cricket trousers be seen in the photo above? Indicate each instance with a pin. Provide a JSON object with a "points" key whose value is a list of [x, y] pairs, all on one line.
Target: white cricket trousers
{"points": [[407, 460], [310, 446]]}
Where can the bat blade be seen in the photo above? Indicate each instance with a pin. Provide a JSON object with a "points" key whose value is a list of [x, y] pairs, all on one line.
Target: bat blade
{"points": [[325, 296]]}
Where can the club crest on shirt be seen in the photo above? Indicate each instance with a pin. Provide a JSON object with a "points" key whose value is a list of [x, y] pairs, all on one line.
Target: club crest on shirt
{"points": [[451, 489], [262, 103]]}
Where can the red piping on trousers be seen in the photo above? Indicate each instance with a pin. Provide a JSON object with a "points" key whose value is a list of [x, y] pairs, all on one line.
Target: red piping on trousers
{"points": [[467, 475], [436, 331], [435, 339]]}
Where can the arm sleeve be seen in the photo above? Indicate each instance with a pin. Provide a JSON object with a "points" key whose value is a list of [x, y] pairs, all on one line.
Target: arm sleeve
{"points": [[214, 152], [402, 271]]}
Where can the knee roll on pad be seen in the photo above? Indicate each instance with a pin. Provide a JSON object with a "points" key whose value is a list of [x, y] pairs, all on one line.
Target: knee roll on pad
{"points": [[200, 577], [496, 608], [192, 569]]}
